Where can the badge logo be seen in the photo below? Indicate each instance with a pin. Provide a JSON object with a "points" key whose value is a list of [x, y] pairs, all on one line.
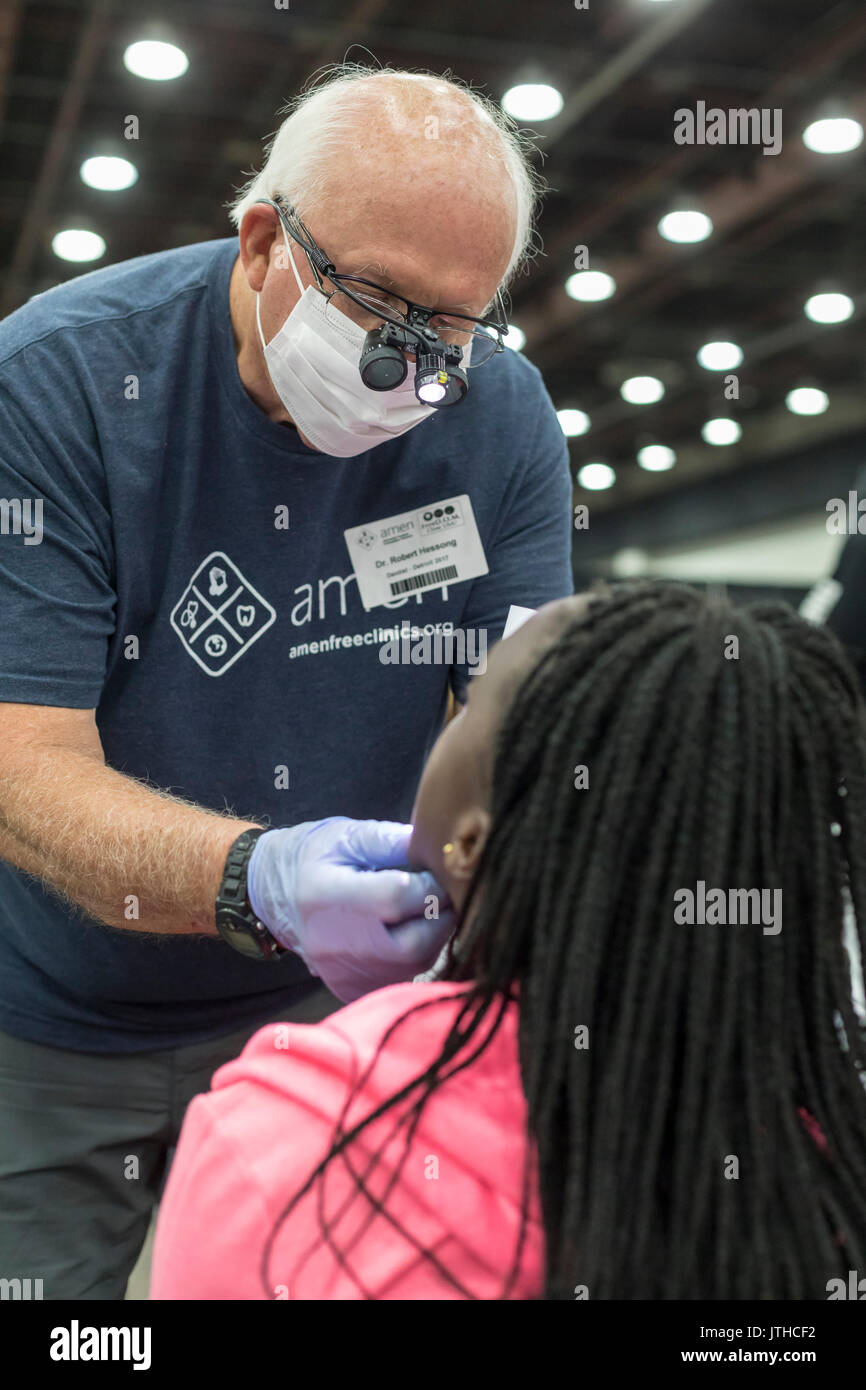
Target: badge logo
{"points": [[220, 615]]}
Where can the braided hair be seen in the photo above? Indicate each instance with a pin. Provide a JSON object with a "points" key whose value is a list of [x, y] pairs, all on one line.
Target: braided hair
{"points": [[709, 1140]]}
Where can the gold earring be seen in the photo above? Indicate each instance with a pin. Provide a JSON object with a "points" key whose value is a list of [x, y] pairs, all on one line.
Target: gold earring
{"points": [[446, 849]]}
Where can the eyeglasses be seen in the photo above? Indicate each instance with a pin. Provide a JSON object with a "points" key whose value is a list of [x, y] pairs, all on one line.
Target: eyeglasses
{"points": [[368, 305]]}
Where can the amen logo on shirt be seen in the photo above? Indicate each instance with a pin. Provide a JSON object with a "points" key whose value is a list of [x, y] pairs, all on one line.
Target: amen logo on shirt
{"points": [[220, 615]]}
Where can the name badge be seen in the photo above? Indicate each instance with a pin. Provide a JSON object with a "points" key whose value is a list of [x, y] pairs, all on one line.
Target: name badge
{"points": [[422, 549]]}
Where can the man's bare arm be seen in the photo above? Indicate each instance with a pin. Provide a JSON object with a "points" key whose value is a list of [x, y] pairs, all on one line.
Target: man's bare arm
{"points": [[97, 836]]}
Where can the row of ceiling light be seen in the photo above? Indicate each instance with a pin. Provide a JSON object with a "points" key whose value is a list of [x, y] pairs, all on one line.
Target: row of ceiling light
{"points": [[826, 308], [828, 135], [722, 430]]}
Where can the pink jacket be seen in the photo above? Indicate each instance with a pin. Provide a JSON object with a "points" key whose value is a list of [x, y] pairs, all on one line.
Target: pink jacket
{"points": [[250, 1143]]}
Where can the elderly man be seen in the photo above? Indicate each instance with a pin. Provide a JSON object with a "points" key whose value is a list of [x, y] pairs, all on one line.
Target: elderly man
{"points": [[240, 467]]}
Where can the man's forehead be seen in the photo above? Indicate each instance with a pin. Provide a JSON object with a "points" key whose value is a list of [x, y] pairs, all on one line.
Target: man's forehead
{"points": [[372, 268]]}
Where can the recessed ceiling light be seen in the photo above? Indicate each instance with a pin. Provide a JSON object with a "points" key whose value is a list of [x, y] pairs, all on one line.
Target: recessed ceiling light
{"points": [[596, 476], [829, 308], [630, 562], [656, 458], [720, 357], [159, 62], [573, 422], [685, 227], [532, 101], [108, 172], [75, 244], [721, 431], [836, 135], [642, 390], [588, 286], [807, 400]]}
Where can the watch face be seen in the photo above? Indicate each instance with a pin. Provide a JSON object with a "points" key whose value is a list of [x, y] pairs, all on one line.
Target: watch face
{"points": [[240, 935]]}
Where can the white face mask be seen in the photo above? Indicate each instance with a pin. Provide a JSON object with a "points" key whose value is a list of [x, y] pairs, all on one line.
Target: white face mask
{"points": [[313, 365]]}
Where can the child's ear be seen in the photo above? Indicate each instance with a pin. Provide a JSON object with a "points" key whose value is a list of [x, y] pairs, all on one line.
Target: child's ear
{"points": [[468, 840]]}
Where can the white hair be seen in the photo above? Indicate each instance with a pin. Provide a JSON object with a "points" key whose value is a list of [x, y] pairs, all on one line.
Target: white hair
{"points": [[324, 118]]}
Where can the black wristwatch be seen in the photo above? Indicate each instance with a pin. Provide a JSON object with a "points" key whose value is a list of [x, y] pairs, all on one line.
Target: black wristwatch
{"points": [[236, 922]]}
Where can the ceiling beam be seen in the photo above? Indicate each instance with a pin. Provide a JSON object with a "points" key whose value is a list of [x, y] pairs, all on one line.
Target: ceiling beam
{"points": [[10, 16]]}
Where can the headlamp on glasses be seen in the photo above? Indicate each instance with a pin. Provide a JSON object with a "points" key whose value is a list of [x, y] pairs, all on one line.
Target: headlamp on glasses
{"points": [[439, 378]]}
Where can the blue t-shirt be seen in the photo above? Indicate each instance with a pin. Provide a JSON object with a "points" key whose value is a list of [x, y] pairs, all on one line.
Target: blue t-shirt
{"points": [[122, 411]]}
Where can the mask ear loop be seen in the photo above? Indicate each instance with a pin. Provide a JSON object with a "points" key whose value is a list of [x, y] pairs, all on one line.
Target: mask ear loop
{"points": [[258, 292]]}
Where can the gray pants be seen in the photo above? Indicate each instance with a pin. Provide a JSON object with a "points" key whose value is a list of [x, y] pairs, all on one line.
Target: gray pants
{"points": [[85, 1143]]}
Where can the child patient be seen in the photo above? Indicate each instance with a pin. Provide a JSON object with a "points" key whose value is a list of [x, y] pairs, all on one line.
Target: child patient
{"points": [[603, 1096]]}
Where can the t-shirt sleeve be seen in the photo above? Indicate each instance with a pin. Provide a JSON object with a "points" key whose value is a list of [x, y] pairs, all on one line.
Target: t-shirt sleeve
{"points": [[529, 561], [57, 597]]}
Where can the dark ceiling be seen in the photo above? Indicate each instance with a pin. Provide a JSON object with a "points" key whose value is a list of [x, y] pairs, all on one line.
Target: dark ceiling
{"points": [[785, 226]]}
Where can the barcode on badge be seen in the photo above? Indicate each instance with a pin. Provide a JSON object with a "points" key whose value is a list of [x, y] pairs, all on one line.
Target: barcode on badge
{"points": [[419, 581]]}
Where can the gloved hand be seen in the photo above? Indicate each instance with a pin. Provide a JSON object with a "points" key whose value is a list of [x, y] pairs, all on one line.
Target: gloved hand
{"points": [[338, 894]]}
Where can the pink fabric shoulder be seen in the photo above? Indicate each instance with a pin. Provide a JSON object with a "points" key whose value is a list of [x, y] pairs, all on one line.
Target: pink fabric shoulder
{"points": [[453, 1188]]}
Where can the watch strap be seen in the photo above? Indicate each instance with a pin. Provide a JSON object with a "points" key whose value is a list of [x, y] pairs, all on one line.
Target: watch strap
{"points": [[236, 920]]}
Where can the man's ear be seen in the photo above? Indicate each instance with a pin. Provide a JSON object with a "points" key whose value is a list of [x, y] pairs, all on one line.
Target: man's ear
{"points": [[257, 232], [468, 838]]}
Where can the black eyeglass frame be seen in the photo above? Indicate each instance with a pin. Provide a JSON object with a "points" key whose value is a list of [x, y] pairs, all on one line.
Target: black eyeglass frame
{"points": [[416, 322]]}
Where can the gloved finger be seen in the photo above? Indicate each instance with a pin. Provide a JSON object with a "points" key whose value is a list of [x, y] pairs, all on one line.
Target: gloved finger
{"points": [[387, 955], [417, 943], [378, 844], [391, 895]]}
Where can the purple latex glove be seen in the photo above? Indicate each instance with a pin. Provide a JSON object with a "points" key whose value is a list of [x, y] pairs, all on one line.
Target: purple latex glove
{"points": [[337, 892]]}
